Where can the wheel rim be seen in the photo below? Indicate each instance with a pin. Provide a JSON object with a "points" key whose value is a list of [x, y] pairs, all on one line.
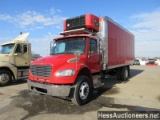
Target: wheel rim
{"points": [[84, 90], [4, 78], [126, 73]]}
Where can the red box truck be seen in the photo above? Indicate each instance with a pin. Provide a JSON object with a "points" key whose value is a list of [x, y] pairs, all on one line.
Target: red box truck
{"points": [[89, 48]]}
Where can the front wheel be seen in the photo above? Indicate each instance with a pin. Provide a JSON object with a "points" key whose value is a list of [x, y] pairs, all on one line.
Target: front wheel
{"points": [[5, 77], [82, 91]]}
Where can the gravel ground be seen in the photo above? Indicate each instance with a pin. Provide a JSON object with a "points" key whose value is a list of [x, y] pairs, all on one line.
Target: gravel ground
{"points": [[140, 93]]}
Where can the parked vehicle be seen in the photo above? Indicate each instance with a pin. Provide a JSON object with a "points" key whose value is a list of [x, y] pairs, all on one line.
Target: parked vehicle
{"points": [[89, 48], [150, 61], [136, 62], [15, 57]]}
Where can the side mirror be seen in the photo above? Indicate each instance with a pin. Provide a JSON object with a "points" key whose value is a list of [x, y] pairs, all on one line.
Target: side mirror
{"points": [[100, 48], [51, 44], [77, 54]]}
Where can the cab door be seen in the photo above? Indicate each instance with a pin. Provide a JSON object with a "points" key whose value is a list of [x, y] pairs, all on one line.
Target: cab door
{"points": [[93, 56], [21, 58]]}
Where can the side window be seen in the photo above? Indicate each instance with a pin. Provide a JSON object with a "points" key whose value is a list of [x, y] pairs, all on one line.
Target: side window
{"points": [[25, 48], [92, 46], [18, 49]]}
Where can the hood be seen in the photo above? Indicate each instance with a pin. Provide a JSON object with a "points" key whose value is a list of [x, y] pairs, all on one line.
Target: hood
{"points": [[4, 57], [53, 60]]}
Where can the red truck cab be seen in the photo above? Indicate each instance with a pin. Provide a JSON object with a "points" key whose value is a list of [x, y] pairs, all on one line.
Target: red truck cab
{"points": [[58, 72], [78, 60]]}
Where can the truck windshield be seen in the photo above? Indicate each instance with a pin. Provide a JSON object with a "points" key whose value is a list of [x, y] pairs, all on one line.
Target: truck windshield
{"points": [[6, 49], [68, 46]]}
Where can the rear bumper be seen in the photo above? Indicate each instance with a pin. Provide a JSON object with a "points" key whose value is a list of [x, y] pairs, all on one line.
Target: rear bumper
{"points": [[52, 90]]}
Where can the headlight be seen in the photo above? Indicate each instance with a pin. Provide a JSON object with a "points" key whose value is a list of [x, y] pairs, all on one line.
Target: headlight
{"points": [[68, 72]]}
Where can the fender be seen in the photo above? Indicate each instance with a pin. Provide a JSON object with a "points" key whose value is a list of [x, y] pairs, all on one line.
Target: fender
{"points": [[80, 69], [83, 66], [83, 69], [11, 67]]}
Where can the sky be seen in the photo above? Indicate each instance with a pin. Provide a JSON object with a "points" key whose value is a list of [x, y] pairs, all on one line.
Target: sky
{"points": [[43, 19]]}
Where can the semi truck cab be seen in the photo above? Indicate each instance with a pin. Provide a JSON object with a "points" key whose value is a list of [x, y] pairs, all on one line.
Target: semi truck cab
{"points": [[15, 57]]}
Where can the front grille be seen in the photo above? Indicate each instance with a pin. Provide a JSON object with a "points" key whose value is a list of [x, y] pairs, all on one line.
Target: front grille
{"points": [[44, 71], [74, 23]]}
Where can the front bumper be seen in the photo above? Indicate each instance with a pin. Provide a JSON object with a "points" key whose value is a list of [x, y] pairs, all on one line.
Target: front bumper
{"points": [[52, 90]]}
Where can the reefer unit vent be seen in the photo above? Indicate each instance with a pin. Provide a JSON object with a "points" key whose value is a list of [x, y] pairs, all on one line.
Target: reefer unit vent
{"points": [[88, 21]]}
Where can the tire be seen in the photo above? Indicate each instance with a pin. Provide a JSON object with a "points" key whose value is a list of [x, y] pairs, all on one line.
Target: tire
{"points": [[5, 77], [124, 73], [118, 74], [82, 91]]}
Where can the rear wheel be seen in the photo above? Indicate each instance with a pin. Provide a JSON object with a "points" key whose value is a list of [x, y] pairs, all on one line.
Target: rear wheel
{"points": [[82, 91], [5, 77], [124, 73], [118, 73]]}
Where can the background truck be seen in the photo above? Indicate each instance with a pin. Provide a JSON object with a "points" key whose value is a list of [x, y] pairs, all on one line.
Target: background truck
{"points": [[89, 48], [15, 57]]}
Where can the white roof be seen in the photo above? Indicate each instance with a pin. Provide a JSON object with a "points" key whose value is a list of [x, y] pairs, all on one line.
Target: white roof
{"points": [[21, 37]]}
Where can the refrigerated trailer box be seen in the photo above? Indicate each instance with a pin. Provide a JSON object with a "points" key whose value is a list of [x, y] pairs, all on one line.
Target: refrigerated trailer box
{"points": [[90, 47], [118, 43]]}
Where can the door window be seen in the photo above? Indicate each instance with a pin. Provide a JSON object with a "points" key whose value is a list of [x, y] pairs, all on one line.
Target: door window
{"points": [[18, 49], [92, 46], [25, 48]]}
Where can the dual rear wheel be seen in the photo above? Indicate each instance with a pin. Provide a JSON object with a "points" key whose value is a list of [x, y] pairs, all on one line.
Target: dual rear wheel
{"points": [[123, 73]]}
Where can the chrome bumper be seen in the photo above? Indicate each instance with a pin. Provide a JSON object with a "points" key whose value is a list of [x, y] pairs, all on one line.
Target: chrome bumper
{"points": [[52, 90]]}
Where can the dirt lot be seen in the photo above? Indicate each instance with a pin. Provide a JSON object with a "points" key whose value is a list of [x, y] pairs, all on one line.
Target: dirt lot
{"points": [[140, 93]]}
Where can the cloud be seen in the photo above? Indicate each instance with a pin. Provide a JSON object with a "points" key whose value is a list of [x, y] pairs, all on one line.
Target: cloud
{"points": [[42, 45], [33, 19], [49, 20], [147, 20], [147, 48], [146, 28], [5, 17]]}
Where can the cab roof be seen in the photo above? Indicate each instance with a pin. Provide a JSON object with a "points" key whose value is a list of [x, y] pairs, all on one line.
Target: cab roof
{"points": [[19, 39]]}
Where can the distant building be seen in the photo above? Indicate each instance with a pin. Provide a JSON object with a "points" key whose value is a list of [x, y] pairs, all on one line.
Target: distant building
{"points": [[35, 56]]}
